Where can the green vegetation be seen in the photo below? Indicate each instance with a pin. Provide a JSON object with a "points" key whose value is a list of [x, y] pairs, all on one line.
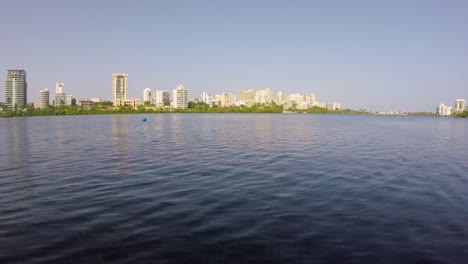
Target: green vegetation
{"points": [[193, 107], [462, 114]]}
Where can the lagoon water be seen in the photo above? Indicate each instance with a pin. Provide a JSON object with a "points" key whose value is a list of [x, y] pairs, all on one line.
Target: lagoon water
{"points": [[233, 188]]}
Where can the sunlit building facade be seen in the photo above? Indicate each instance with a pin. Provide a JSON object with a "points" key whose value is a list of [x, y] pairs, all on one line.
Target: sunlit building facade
{"points": [[16, 88]]}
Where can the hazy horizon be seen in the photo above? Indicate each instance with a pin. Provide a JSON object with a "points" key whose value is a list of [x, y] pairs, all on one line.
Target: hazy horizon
{"points": [[377, 55]]}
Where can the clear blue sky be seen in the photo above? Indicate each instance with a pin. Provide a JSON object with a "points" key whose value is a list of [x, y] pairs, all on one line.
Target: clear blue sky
{"points": [[380, 55]]}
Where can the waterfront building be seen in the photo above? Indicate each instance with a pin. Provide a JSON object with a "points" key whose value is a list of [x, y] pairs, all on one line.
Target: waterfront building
{"points": [[334, 106], [44, 98], [147, 95], [320, 104], [119, 88], [460, 105], [206, 98], [281, 97], [180, 97], [225, 99], [444, 110], [68, 100], [95, 100], [16, 88], [160, 97], [263, 96], [247, 97], [60, 98], [86, 103]]}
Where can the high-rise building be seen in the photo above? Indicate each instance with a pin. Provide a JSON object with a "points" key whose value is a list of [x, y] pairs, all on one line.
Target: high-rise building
{"points": [[334, 106], [444, 110], [147, 95], [119, 88], [68, 100], [160, 97], [44, 98], [263, 96], [247, 97], [206, 98], [16, 88], [460, 105], [60, 97], [225, 99], [58, 88], [281, 97], [180, 97]]}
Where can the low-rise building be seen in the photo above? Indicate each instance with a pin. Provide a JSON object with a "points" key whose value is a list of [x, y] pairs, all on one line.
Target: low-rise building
{"points": [[444, 110]]}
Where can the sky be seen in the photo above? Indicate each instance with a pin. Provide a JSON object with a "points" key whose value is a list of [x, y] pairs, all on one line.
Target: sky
{"points": [[407, 55]]}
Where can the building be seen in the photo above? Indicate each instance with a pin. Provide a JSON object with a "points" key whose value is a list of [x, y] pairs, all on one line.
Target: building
{"points": [[460, 105], [160, 97], [180, 97], [444, 110], [119, 88], [247, 97], [95, 100], [44, 98], [60, 97], [281, 97], [263, 96], [225, 99], [334, 106], [68, 100], [206, 98], [86, 103], [59, 87], [16, 88], [147, 95]]}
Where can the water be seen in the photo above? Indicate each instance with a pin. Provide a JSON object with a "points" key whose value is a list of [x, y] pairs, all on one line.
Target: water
{"points": [[233, 188]]}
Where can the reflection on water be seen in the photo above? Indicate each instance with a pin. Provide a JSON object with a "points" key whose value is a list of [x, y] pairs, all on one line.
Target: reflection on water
{"points": [[120, 140], [233, 188]]}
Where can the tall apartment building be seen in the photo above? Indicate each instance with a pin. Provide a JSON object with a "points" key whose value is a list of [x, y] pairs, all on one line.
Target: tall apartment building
{"points": [[206, 98], [247, 97], [460, 105], [16, 88], [334, 106], [119, 88], [180, 97], [147, 95], [161, 96], [60, 98], [225, 99], [263, 96], [44, 98], [444, 110], [281, 97]]}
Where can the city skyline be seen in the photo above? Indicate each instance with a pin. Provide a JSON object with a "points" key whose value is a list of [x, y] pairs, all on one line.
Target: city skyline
{"points": [[355, 53]]}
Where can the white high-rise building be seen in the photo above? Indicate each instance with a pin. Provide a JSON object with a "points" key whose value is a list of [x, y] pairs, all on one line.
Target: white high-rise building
{"points": [[180, 97], [206, 98], [58, 88], [147, 95], [44, 98], [16, 88], [161, 96], [460, 105], [119, 88], [334, 106], [281, 97], [444, 110], [247, 97], [68, 99], [263, 96], [60, 97], [225, 99]]}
